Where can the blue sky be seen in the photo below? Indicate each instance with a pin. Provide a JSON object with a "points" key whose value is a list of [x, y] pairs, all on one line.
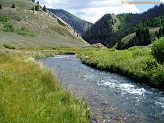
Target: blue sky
{"points": [[92, 10]]}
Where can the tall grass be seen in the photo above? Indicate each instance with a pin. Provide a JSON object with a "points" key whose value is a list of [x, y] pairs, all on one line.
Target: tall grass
{"points": [[137, 64], [29, 93]]}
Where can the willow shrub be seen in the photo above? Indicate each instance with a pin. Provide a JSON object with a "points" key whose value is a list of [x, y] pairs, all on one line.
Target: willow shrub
{"points": [[137, 64], [158, 50]]}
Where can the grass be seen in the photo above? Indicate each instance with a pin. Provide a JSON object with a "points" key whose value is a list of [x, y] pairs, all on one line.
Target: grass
{"points": [[30, 93], [137, 64], [8, 46]]}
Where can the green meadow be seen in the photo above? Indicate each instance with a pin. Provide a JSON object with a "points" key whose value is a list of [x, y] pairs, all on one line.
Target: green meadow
{"points": [[30, 93]]}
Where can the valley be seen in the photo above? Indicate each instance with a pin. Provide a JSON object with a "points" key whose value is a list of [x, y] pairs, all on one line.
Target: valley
{"points": [[56, 67]]}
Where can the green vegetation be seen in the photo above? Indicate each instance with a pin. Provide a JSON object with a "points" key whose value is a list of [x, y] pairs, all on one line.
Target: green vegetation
{"points": [[8, 27], [44, 8], [158, 50], [150, 23], [30, 93], [37, 7], [137, 64], [25, 31], [8, 46], [4, 18]]}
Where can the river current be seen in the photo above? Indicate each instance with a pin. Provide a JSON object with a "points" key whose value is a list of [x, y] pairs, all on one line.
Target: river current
{"points": [[111, 97]]}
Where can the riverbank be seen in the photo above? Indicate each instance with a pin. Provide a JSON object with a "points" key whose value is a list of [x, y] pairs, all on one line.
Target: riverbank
{"points": [[136, 63], [30, 93]]}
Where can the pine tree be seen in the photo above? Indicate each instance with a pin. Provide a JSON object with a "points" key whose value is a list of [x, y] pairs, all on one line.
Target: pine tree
{"points": [[37, 7], [13, 6], [37, 2], [162, 31], [44, 8]]}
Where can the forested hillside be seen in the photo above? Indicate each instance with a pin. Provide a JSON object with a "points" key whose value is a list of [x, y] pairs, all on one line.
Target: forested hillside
{"points": [[80, 26], [101, 31], [129, 23]]}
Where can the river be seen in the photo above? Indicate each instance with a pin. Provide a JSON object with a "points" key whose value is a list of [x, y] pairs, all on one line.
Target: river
{"points": [[112, 98]]}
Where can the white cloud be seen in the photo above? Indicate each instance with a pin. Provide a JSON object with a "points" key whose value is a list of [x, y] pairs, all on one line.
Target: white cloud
{"points": [[92, 9]]}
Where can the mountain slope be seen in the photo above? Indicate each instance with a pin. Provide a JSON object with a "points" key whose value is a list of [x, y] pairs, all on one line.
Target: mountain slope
{"points": [[48, 29], [79, 25], [102, 31], [128, 24]]}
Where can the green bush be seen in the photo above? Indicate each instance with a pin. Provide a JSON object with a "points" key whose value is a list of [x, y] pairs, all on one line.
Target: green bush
{"points": [[158, 76], [4, 18], [8, 46], [158, 50], [25, 31], [8, 27]]}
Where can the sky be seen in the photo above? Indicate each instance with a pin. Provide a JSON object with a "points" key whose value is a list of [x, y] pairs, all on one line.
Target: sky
{"points": [[92, 10]]}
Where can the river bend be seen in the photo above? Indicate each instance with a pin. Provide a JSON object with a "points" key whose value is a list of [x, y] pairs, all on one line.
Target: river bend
{"points": [[111, 97]]}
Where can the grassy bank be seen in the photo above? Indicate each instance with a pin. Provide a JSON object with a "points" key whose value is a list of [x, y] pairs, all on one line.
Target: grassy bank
{"points": [[137, 64], [30, 93]]}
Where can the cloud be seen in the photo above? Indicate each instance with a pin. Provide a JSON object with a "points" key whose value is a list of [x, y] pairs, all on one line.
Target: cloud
{"points": [[90, 10]]}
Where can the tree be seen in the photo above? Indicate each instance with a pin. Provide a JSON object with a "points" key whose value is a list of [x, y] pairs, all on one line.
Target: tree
{"points": [[37, 7], [37, 2], [44, 8], [33, 1], [162, 31], [13, 6], [147, 39], [0, 6]]}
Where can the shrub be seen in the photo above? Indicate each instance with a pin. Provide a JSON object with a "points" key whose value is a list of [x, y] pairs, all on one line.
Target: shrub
{"points": [[25, 31], [158, 50], [158, 77], [8, 46], [8, 27], [4, 18]]}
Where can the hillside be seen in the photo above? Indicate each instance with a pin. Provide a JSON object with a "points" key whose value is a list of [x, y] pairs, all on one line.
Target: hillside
{"points": [[24, 27], [102, 31], [127, 24], [126, 41], [80, 26]]}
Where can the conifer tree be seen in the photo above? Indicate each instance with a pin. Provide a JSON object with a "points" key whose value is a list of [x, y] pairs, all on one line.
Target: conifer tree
{"points": [[162, 31], [44, 8], [13, 6], [37, 7]]}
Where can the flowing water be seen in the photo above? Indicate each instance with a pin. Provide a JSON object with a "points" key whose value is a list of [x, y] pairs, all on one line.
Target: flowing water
{"points": [[111, 97]]}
